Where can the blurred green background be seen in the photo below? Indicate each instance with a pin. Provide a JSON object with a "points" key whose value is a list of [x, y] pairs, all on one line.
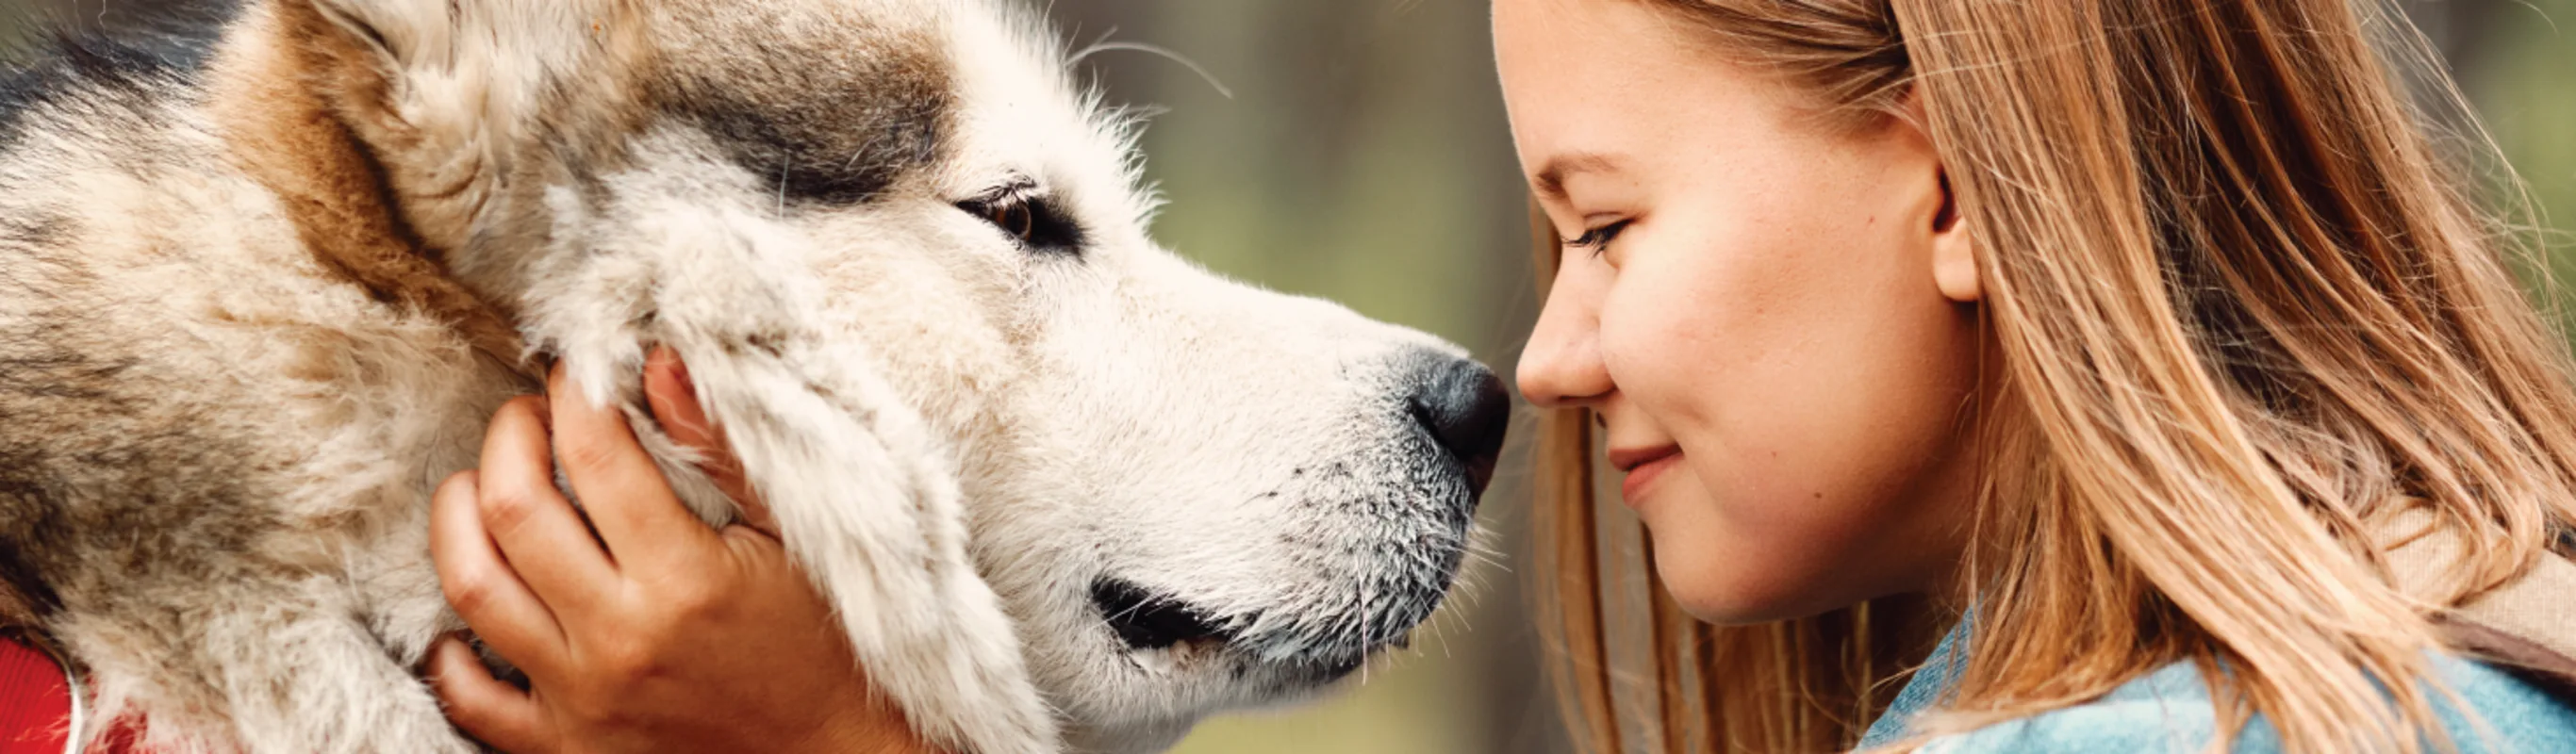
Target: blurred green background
{"points": [[1363, 157]]}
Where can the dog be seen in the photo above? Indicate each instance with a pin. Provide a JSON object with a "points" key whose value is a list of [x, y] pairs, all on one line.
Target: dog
{"points": [[262, 283]]}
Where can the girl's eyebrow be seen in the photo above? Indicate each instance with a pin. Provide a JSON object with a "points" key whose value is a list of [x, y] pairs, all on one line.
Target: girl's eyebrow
{"points": [[1550, 179]]}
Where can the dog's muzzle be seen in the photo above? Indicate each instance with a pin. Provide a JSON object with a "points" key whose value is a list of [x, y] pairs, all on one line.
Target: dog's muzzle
{"points": [[1450, 415]]}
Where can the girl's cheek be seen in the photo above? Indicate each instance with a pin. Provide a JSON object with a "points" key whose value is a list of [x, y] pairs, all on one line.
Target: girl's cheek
{"points": [[1670, 343]]}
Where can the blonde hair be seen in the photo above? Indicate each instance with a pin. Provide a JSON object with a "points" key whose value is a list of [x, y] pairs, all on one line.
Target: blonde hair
{"points": [[2240, 309]]}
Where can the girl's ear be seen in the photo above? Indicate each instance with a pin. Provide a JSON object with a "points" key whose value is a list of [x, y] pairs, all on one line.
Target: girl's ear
{"points": [[1954, 250], [1953, 242]]}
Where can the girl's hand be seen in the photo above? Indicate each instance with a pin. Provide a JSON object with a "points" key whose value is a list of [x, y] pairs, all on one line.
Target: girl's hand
{"points": [[659, 634]]}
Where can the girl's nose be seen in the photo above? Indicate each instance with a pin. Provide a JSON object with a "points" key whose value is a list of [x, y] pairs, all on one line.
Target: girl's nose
{"points": [[1561, 367]]}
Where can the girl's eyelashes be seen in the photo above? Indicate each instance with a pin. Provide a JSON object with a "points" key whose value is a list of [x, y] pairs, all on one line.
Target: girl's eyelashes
{"points": [[1598, 239]]}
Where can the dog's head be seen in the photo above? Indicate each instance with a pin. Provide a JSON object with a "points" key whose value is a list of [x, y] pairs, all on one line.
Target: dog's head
{"points": [[1191, 494]]}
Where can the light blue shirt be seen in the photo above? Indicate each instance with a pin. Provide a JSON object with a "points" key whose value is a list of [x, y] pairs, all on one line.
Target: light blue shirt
{"points": [[2169, 711]]}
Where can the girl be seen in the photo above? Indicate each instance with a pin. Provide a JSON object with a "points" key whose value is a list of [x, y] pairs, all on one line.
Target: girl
{"points": [[2127, 336], [2111, 374]]}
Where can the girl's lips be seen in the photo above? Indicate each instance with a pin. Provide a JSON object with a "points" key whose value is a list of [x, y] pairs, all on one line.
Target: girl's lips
{"points": [[1643, 468]]}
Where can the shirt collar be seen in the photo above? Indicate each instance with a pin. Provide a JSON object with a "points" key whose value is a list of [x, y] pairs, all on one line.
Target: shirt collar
{"points": [[1929, 684]]}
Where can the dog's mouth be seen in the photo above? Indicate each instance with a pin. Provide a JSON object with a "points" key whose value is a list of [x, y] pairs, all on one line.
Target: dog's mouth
{"points": [[1146, 620]]}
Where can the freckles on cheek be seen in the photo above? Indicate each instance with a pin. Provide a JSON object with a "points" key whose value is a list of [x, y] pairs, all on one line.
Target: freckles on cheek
{"points": [[1663, 349]]}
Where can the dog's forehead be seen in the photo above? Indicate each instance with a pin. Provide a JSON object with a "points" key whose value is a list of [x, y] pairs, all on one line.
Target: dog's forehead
{"points": [[837, 99], [1020, 112]]}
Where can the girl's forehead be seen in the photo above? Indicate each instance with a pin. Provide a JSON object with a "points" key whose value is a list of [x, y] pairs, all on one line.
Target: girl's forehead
{"points": [[1620, 89]]}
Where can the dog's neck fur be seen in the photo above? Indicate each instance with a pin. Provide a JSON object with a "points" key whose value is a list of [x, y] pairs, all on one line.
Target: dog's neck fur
{"points": [[285, 137]]}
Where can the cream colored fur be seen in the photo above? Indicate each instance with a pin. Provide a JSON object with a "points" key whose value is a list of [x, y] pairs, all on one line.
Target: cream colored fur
{"points": [[225, 446]]}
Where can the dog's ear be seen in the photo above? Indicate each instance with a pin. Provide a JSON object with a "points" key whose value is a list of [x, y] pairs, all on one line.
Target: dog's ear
{"points": [[447, 94]]}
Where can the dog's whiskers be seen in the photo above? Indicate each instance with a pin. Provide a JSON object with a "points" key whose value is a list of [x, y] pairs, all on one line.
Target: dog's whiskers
{"points": [[1166, 53], [786, 164]]}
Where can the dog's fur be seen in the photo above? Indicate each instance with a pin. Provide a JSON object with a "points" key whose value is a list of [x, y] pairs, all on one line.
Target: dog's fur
{"points": [[260, 290]]}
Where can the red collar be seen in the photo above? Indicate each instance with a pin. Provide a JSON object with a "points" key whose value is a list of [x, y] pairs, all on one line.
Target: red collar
{"points": [[35, 701]]}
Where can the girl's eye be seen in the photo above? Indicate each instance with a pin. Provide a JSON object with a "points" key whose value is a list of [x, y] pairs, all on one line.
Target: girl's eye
{"points": [[1598, 239]]}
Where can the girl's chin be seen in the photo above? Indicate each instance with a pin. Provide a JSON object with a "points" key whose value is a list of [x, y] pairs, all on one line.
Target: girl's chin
{"points": [[1724, 585], [1734, 610]]}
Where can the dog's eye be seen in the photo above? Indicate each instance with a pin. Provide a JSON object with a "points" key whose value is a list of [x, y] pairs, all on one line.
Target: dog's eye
{"points": [[1034, 221], [1014, 218]]}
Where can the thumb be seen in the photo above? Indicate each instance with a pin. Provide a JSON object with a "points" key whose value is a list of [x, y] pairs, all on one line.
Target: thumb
{"points": [[674, 400]]}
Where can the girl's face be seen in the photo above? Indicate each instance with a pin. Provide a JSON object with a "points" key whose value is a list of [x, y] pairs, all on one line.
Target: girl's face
{"points": [[1773, 316]]}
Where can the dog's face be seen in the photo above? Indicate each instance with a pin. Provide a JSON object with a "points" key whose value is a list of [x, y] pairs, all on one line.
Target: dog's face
{"points": [[1191, 494]]}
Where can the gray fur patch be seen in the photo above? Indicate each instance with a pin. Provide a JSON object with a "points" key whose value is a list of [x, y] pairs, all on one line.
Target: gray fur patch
{"points": [[74, 62], [839, 127]]}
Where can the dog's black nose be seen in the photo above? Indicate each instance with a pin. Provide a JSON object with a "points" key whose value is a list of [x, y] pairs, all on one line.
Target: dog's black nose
{"points": [[1463, 405]]}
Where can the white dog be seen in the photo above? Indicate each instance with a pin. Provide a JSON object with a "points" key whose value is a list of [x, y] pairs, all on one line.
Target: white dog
{"points": [[260, 289]]}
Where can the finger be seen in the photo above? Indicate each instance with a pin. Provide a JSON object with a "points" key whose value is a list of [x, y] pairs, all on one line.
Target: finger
{"points": [[628, 500], [491, 711], [479, 583], [539, 534], [674, 400]]}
